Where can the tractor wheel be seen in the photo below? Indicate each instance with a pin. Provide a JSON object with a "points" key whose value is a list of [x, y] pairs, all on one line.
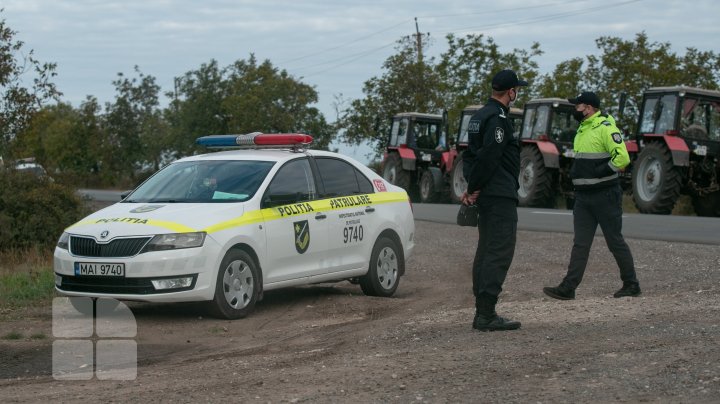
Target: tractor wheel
{"points": [[535, 180], [428, 193], [656, 181], [458, 184], [707, 205], [394, 173]]}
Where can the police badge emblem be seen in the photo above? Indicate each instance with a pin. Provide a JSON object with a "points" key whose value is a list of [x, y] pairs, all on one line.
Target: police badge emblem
{"points": [[302, 236], [499, 135], [617, 138]]}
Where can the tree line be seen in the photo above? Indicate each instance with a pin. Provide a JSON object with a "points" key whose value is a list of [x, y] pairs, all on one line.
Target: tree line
{"points": [[119, 143]]}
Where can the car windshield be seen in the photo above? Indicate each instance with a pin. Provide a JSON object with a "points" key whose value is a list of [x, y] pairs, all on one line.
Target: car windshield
{"points": [[213, 181]]}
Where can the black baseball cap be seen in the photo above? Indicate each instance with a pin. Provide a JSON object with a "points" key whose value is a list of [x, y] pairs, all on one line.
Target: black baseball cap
{"points": [[586, 97], [506, 79]]}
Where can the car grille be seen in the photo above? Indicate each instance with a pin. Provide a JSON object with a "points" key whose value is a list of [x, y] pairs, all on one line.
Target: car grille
{"points": [[118, 248], [124, 286]]}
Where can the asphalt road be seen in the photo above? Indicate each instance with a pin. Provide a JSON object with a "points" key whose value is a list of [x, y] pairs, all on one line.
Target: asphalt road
{"points": [[690, 229]]}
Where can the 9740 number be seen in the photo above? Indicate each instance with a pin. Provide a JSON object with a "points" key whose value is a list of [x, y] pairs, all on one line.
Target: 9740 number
{"points": [[352, 234]]}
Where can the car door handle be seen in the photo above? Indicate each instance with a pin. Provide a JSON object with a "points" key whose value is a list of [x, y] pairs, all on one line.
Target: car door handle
{"points": [[320, 216], [369, 209]]}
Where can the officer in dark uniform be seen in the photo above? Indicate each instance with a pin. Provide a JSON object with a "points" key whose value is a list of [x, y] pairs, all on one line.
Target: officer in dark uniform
{"points": [[491, 165], [600, 153]]}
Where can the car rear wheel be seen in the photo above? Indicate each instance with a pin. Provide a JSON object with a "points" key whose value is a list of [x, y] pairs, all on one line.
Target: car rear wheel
{"points": [[237, 287], [386, 265], [656, 181]]}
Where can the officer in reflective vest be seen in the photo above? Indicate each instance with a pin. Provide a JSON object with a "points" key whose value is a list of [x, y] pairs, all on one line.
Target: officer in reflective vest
{"points": [[600, 154]]}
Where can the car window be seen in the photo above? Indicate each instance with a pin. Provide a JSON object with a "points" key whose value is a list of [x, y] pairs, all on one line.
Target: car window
{"points": [[341, 178], [213, 181], [292, 183]]}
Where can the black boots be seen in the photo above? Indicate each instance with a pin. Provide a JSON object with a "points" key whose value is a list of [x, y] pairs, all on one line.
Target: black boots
{"points": [[486, 319], [628, 289], [561, 292], [494, 323]]}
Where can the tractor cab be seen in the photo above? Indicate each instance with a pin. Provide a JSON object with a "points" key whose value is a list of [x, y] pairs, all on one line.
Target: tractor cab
{"points": [[416, 155], [679, 137]]}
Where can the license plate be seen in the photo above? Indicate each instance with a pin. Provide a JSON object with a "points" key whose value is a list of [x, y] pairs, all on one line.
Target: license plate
{"points": [[99, 269]]}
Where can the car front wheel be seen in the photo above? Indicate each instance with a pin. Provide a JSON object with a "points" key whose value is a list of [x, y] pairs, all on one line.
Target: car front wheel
{"points": [[386, 264], [237, 287]]}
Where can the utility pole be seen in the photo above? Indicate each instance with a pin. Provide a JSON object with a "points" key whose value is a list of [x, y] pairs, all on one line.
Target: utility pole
{"points": [[418, 38]]}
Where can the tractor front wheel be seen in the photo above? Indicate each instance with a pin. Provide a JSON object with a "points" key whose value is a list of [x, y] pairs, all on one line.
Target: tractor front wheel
{"points": [[535, 179], [656, 181]]}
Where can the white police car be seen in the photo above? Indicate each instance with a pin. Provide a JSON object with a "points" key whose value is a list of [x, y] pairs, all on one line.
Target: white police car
{"points": [[224, 227]]}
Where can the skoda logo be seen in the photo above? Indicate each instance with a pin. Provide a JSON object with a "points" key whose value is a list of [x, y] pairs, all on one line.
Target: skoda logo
{"points": [[104, 234]]}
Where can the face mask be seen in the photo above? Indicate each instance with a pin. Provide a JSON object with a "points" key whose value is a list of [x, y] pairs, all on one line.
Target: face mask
{"points": [[512, 100], [578, 115]]}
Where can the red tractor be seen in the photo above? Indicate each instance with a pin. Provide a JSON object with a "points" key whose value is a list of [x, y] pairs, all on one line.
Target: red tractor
{"points": [[546, 155], [679, 134], [458, 185], [416, 157]]}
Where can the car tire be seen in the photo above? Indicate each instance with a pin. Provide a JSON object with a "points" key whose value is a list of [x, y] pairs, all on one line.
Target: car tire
{"points": [[386, 265], [237, 287]]}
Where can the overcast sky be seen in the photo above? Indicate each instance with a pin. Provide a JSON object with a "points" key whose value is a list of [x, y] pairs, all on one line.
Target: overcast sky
{"points": [[332, 45]]}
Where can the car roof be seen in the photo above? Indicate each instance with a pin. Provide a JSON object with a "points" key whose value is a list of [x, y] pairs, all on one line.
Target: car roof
{"points": [[270, 154]]}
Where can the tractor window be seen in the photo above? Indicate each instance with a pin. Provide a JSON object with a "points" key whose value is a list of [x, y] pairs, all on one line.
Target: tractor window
{"points": [[563, 126], [659, 115], [700, 119], [398, 133], [536, 122], [463, 136], [427, 135]]}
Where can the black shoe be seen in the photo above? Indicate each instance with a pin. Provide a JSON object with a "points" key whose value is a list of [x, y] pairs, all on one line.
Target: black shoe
{"points": [[628, 289], [560, 292], [494, 323]]}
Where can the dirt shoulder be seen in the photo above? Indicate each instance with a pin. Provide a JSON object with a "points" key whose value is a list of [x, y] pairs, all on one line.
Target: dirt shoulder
{"points": [[329, 343]]}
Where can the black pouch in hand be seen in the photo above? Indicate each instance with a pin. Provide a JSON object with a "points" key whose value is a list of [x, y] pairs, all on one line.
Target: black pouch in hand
{"points": [[468, 215]]}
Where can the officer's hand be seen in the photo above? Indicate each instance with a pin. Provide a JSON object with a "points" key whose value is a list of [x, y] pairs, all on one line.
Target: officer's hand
{"points": [[473, 197], [464, 198]]}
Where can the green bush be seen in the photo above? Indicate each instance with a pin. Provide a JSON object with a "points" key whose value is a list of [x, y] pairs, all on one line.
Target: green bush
{"points": [[34, 211]]}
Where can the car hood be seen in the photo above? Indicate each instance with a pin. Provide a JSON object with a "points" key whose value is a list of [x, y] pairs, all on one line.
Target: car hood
{"points": [[138, 219]]}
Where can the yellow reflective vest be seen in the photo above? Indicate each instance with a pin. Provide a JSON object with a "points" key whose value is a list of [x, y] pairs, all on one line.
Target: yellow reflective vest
{"points": [[600, 153]]}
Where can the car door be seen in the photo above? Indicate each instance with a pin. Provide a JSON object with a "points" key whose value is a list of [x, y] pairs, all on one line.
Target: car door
{"points": [[348, 193], [296, 229]]}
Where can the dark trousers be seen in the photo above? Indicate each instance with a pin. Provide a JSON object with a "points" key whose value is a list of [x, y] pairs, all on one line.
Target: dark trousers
{"points": [[604, 207], [497, 228]]}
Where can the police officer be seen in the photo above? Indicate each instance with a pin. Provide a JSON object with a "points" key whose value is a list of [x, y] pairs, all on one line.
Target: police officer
{"points": [[599, 154], [491, 165]]}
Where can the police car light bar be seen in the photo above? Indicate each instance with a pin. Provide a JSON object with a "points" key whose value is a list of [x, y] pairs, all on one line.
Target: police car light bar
{"points": [[255, 140]]}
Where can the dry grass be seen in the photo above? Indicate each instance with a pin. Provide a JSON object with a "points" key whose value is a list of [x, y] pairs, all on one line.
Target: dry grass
{"points": [[25, 261]]}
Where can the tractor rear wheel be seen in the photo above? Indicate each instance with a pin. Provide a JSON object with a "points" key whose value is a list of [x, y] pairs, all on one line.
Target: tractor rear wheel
{"points": [[394, 173], [707, 205], [656, 181], [535, 179], [458, 184]]}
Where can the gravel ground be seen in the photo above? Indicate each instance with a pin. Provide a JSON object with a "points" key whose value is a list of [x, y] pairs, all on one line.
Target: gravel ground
{"points": [[329, 343]]}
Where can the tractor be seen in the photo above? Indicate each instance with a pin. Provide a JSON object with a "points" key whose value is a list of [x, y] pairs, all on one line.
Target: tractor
{"points": [[416, 157], [458, 185], [546, 153], [679, 136]]}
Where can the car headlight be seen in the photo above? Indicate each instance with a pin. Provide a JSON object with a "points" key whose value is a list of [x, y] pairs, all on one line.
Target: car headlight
{"points": [[175, 241], [64, 241]]}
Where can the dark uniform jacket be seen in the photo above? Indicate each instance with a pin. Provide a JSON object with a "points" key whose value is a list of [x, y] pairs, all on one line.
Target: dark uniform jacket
{"points": [[491, 163]]}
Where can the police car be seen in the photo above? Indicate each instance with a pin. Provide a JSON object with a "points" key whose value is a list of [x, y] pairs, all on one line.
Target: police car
{"points": [[223, 227]]}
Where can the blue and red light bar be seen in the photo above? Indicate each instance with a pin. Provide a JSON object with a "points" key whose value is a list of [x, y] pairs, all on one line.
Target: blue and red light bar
{"points": [[255, 140]]}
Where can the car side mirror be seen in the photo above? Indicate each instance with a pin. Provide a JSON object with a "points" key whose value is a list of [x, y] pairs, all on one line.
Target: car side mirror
{"points": [[125, 195]]}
